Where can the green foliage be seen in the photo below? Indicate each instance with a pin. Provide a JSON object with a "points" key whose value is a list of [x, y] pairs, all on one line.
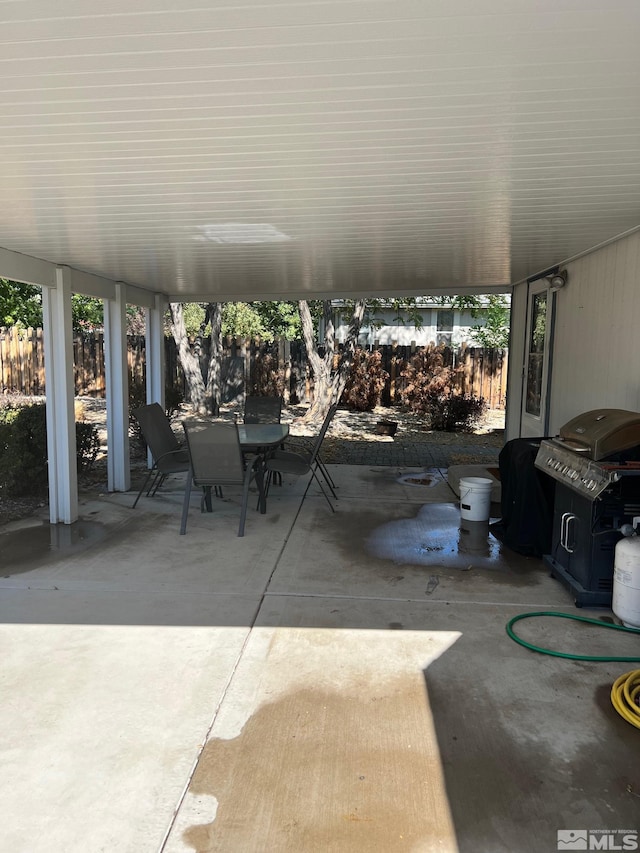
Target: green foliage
{"points": [[240, 319], [366, 381], [87, 312], [20, 304], [194, 318], [263, 319], [279, 319], [23, 449], [430, 389], [495, 332], [495, 308], [87, 445], [408, 305]]}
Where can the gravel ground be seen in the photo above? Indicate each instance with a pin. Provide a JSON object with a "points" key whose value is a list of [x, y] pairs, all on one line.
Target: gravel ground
{"points": [[350, 440]]}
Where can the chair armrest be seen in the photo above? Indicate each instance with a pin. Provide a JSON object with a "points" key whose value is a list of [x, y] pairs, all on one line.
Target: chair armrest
{"points": [[179, 451]]}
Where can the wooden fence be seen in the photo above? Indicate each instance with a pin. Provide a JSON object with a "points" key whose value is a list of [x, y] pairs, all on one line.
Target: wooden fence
{"points": [[248, 366]]}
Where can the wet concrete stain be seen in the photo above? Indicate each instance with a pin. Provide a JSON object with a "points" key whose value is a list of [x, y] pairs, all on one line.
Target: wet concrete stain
{"points": [[31, 547], [319, 771], [430, 477], [432, 536], [436, 535], [388, 476]]}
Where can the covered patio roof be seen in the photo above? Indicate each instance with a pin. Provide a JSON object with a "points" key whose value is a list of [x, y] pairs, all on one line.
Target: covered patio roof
{"points": [[281, 150]]}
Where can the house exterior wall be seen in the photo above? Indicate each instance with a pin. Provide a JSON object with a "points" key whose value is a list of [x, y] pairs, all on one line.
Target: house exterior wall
{"points": [[387, 330], [595, 352], [596, 361]]}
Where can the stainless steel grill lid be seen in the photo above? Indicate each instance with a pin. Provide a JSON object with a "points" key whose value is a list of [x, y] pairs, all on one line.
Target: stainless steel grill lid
{"points": [[602, 432]]}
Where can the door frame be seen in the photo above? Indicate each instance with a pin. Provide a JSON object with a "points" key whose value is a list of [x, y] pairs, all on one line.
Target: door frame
{"points": [[531, 425]]}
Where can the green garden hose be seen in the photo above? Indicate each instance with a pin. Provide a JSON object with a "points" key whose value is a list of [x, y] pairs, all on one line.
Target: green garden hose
{"points": [[625, 693], [567, 655]]}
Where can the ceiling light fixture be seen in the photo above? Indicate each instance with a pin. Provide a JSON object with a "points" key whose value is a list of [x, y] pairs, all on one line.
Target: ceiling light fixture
{"points": [[558, 280]]}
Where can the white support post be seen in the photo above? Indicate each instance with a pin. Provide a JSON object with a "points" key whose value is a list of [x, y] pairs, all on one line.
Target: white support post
{"points": [[155, 351], [61, 430], [117, 385]]}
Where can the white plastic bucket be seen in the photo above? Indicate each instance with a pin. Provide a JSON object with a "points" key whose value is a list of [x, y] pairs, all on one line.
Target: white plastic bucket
{"points": [[475, 498]]}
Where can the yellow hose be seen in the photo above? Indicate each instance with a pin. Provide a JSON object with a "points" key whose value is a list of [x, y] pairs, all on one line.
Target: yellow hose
{"points": [[625, 696]]}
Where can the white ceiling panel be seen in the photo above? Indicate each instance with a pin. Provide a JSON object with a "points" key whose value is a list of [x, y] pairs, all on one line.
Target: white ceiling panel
{"points": [[256, 149]]}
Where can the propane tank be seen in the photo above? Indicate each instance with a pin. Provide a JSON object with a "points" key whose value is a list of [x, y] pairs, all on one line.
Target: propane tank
{"points": [[626, 581]]}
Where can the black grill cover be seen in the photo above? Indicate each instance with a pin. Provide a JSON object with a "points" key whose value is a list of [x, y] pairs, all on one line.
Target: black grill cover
{"points": [[527, 499]]}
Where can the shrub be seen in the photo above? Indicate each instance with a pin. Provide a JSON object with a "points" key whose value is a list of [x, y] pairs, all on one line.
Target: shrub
{"points": [[457, 412], [87, 445], [23, 449], [173, 399], [430, 388], [426, 377], [365, 382]]}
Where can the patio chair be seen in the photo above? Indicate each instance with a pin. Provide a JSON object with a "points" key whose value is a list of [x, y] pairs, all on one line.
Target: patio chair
{"points": [[262, 410], [217, 460], [304, 445], [302, 461], [169, 455]]}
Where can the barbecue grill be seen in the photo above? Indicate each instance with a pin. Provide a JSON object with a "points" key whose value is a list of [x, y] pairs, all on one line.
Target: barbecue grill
{"points": [[595, 461]]}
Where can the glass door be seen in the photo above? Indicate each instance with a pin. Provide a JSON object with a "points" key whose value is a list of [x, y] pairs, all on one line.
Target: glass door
{"points": [[537, 366]]}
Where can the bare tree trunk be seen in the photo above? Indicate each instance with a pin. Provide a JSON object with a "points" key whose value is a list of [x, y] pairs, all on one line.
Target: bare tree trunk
{"points": [[329, 382], [214, 381], [190, 364]]}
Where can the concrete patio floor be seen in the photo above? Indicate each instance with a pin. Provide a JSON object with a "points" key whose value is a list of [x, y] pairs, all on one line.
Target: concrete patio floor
{"points": [[329, 682]]}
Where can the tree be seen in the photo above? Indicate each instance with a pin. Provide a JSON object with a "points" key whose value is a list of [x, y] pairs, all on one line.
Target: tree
{"points": [[269, 320], [213, 320], [21, 305], [240, 319], [280, 319], [87, 312], [330, 371], [495, 332], [204, 395]]}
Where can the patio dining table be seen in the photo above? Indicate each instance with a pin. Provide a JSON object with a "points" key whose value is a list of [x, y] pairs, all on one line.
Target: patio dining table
{"points": [[260, 438]]}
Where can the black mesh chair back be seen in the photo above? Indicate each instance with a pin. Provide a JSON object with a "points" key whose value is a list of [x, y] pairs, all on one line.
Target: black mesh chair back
{"points": [[326, 423], [217, 460], [262, 410], [216, 457], [169, 455], [304, 461]]}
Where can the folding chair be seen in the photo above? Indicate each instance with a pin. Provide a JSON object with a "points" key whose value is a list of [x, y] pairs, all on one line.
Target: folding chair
{"points": [[216, 460], [308, 445], [303, 461], [169, 455], [262, 410]]}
